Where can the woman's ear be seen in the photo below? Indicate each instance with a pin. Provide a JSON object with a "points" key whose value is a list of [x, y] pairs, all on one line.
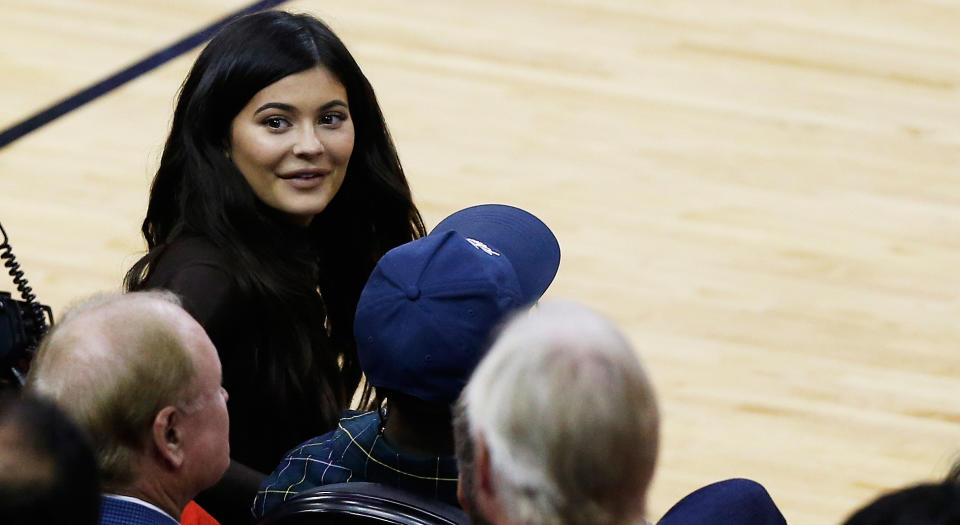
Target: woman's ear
{"points": [[168, 436]]}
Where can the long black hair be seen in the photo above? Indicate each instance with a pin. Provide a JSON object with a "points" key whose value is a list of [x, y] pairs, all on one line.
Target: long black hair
{"points": [[199, 191]]}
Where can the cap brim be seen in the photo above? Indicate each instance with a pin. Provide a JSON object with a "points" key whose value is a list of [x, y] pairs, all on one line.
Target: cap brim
{"points": [[524, 239]]}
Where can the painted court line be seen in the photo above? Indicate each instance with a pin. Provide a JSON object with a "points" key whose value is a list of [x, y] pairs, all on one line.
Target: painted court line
{"points": [[122, 77]]}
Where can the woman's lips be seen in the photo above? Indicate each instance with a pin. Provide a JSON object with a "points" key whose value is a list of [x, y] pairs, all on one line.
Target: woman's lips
{"points": [[304, 180]]}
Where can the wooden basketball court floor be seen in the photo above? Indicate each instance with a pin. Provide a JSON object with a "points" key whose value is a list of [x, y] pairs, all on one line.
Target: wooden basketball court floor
{"points": [[764, 195]]}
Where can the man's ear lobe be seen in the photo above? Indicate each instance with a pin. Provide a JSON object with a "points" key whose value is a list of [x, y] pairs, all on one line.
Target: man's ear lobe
{"points": [[168, 436]]}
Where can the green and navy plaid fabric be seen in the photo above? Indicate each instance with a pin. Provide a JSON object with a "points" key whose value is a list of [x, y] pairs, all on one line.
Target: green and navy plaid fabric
{"points": [[356, 451]]}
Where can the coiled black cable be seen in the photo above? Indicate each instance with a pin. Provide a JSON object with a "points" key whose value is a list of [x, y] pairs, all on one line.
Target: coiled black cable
{"points": [[38, 311]]}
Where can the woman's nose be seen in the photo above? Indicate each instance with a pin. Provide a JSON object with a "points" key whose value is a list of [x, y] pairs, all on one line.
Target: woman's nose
{"points": [[308, 144]]}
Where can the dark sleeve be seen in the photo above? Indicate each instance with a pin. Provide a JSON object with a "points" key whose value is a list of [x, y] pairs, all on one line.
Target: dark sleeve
{"points": [[229, 500]]}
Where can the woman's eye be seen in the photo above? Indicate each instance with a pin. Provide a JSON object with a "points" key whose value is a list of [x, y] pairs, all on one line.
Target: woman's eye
{"points": [[332, 119], [276, 123]]}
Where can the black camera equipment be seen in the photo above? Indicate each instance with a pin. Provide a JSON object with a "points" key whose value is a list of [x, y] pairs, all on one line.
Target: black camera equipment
{"points": [[22, 322]]}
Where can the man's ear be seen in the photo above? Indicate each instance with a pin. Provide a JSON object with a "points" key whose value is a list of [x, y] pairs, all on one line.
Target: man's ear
{"points": [[168, 436], [485, 492], [461, 496]]}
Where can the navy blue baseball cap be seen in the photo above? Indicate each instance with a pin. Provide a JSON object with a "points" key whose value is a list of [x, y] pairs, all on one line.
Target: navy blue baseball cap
{"points": [[426, 315]]}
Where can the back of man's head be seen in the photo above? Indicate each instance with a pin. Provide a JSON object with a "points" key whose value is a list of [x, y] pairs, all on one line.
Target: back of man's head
{"points": [[558, 424], [426, 314], [113, 364], [47, 470]]}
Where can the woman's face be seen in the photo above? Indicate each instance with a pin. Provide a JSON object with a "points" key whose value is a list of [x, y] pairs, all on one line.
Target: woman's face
{"points": [[292, 142]]}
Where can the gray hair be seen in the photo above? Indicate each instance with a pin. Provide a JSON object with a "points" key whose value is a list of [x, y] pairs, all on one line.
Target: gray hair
{"points": [[111, 364], [569, 418]]}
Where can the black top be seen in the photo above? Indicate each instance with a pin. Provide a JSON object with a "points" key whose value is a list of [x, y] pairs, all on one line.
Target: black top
{"points": [[265, 421]]}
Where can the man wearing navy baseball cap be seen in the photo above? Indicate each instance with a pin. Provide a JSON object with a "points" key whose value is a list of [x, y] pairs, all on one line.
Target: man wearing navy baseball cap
{"points": [[423, 322]]}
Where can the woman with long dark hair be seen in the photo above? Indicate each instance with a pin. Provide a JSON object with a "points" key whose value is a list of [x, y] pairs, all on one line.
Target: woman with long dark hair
{"points": [[278, 190]]}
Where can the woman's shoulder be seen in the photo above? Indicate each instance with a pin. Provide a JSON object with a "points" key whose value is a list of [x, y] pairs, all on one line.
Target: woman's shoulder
{"points": [[193, 250], [199, 272], [189, 255]]}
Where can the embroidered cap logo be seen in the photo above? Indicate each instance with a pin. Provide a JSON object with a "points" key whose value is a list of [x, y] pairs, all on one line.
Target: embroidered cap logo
{"points": [[483, 247]]}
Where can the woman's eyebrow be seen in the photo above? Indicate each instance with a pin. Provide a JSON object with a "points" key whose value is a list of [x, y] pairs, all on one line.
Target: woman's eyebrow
{"points": [[291, 109], [334, 102], [275, 105]]}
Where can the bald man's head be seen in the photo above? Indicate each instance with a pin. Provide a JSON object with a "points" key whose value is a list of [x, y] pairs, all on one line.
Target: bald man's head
{"points": [[112, 363]]}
